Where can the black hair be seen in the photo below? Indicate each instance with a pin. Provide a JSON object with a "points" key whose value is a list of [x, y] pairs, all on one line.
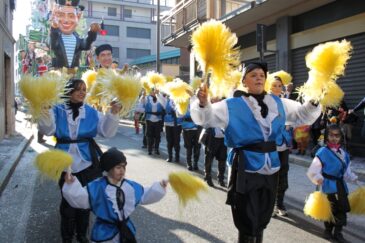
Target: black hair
{"points": [[253, 65], [116, 62], [332, 127], [71, 85]]}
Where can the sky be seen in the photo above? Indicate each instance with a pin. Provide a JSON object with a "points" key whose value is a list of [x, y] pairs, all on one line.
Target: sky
{"points": [[21, 17]]}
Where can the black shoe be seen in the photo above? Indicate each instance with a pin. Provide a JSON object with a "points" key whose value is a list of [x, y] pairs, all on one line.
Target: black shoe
{"points": [[281, 211], [195, 167], [144, 146], [275, 212], [169, 160], [327, 234], [177, 160], [41, 140], [149, 153], [210, 182], [157, 152], [190, 167], [339, 238]]}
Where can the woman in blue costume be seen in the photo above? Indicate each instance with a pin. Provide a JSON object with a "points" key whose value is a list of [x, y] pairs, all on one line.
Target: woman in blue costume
{"points": [[253, 122], [75, 124]]}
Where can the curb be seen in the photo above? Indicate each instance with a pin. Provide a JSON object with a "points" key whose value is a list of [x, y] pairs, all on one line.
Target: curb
{"points": [[8, 169], [305, 162]]}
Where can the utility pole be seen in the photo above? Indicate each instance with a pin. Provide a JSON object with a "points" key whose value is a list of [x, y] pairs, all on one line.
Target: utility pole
{"points": [[158, 38]]}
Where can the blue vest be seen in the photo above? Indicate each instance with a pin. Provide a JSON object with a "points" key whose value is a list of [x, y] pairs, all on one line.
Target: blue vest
{"points": [[334, 166], [187, 122], [88, 128], [102, 207], [148, 108], [243, 129], [169, 117]]}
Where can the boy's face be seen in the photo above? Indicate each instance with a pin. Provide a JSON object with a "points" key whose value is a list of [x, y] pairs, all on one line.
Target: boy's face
{"points": [[105, 58], [117, 172], [334, 136]]}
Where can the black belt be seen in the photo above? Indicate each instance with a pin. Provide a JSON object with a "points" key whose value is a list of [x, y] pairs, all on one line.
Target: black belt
{"points": [[94, 148], [188, 119], [154, 113], [341, 191], [237, 179], [125, 234]]}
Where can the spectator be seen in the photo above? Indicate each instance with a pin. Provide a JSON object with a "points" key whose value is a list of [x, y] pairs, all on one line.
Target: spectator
{"points": [[359, 106]]}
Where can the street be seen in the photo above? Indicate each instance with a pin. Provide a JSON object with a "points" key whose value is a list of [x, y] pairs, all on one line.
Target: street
{"points": [[29, 204]]}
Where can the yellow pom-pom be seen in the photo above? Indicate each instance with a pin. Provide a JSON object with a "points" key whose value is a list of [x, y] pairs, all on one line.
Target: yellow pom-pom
{"points": [[155, 80], [186, 186], [357, 201], [196, 83], [285, 77], [182, 107], [89, 78], [214, 47], [52, 163], [42, 92], [318, 207], [177, 90], [330, 58]]}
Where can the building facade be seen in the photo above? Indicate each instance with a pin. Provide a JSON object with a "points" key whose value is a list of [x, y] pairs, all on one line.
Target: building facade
{"points": [[7, 99], [130, 24], [293, 29]]}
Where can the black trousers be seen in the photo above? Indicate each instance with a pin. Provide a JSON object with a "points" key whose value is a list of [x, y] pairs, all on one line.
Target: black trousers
{"points": [[252, 210], [73, 219], [215, 149], [192, 145], [173, 134], [144, 134], [153, 134], [283, 177]]}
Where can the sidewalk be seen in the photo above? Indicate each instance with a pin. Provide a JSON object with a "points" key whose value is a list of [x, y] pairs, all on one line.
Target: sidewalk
{"points": [[12, 149]]}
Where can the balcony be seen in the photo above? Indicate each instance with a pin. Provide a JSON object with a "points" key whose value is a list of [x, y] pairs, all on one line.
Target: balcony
{"points": [[119, 16], [188, 13]]}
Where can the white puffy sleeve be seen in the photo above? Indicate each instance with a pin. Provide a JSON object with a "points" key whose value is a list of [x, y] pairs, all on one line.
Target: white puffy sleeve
{"points": [[212, 115], [300, 114], [153, 193], [108, 124], [47, 125], [76, 195], [314, 171]]}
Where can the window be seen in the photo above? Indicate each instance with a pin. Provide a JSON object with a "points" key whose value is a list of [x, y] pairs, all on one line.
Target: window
{"points": [[138, 33], [133, 53], [113, 30], [115, 52], [112, 11], [127, 13]]}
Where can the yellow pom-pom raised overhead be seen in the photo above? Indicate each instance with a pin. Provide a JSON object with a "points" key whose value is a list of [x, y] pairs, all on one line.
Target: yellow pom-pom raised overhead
{"points": [[52, 163], [186, 186], [178, 90], [357, 201], [155, 80], [214, 47], [318, 207]]}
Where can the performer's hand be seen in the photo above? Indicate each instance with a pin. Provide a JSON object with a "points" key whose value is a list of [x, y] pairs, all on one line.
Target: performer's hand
{"points": [[164, 183], [69, 178], [203, 95], [115, 107], [95, 27], [319, 182], [53, 19]]}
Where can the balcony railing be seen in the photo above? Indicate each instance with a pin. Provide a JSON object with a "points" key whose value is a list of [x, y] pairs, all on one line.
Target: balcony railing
{"points": [[119, 16], [189, 12]]}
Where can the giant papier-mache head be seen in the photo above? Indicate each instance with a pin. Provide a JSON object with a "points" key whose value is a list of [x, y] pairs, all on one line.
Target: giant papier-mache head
{"points": [[67, 15]]}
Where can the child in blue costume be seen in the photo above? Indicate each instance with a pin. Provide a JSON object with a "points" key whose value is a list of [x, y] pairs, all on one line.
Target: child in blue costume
{"points": [[112, 198], [329, 168]]}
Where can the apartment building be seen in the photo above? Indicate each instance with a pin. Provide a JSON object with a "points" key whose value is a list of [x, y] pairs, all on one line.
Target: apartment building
{"points": [[7, 118], [293, 28], [130, 24]]}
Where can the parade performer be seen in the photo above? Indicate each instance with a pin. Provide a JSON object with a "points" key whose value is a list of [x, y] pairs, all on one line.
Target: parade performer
{"points": [[172, 127], [75, 124], [66, 44], [154, 112], [275, 83], [329, 168], [191, 132], [112, 198], [253, 125]]}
